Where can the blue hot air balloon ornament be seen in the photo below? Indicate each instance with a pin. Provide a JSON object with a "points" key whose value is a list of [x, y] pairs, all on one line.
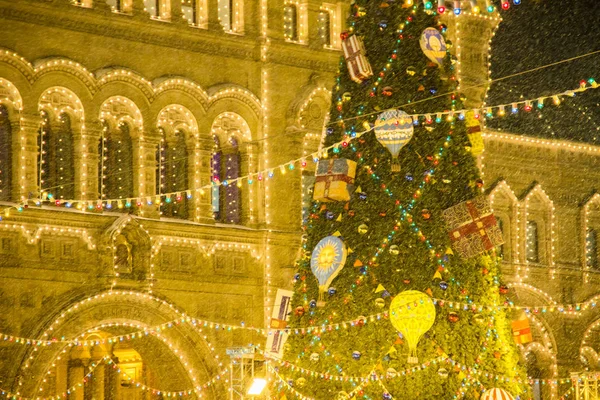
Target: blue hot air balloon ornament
{"points": [[433, 45], [394, 129], [328, 259]]}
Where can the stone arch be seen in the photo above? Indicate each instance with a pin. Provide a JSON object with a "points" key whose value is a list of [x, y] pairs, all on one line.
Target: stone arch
{"points": [[590, 342], [119, 74], [118, 314], [536, 207], [116, 110], [46, 66], [232, 106], [235, 92], [125, 90], [193, 106], [177, 117], [19, 63], [589, 357], [10, 97], [57, 100], [505, 204]]}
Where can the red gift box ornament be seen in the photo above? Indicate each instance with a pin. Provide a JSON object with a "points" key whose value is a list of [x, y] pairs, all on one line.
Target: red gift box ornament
{"points": [[472, 227], [521, 331], [355, 55]]}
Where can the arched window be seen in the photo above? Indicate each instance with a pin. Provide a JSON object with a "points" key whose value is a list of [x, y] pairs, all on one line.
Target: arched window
{"points": [[534, 372], [195, 12], [172, 173], [325, 27], [5, 154], [120, 6], [56, 170], [591, 248], [116, 163], [158, 9], [532, 244], [290, 22], [226, 167]]}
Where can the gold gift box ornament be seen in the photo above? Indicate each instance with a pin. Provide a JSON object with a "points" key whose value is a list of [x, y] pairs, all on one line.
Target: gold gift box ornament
{"points": [[334, 180]]}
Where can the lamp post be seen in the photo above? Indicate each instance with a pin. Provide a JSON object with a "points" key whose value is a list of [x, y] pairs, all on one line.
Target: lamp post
{"points": [[242, 382]]}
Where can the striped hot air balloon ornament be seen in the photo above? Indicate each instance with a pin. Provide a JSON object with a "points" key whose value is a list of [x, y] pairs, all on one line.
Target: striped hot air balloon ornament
{"points": [[496, 394], [394, 129]]}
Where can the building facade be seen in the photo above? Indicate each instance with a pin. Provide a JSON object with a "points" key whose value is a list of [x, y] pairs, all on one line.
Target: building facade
{"points": [[157, 132]]}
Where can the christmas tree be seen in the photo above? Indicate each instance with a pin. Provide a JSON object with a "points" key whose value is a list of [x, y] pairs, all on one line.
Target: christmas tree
{"points": [[390, 233]]}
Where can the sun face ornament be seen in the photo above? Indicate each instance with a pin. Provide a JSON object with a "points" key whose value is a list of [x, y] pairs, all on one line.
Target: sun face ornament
{"points": [[328, 259]]}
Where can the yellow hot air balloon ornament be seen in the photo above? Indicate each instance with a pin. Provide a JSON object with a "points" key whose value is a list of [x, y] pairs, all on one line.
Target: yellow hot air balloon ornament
{"points": [[412, 313]]}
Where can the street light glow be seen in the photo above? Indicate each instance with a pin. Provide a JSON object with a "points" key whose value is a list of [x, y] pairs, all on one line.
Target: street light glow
{"points": [[257, 386]]}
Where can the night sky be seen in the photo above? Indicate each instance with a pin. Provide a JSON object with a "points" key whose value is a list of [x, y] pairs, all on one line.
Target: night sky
{"points": [[541, 32]]}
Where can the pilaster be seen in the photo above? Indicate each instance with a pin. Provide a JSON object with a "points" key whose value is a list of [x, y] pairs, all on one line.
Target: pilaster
{"points": [[144, 173], [25, 159], [200, 170]]}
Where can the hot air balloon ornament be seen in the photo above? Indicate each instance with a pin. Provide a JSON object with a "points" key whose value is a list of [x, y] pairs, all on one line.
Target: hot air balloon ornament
{"points": [[328, 259], [394, 129], [412, 313], [496, 394], [433, 45]]}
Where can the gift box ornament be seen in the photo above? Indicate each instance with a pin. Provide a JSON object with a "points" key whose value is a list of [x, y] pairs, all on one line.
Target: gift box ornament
{"points": [[472, 227], [474, 133], [521, 331], [355, 55], [334, 180]]}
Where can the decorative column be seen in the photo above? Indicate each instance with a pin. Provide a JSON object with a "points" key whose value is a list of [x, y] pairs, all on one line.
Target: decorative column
{"points": [[25, 157], [144, 173], [213, 15], [76, 375], [249, 193], [200, 172], [87, 161], [62, 376]]}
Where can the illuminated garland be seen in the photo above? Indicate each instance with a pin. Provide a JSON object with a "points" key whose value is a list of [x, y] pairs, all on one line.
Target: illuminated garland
{"points": [[8, 394], [428, 118], [166, 393]]}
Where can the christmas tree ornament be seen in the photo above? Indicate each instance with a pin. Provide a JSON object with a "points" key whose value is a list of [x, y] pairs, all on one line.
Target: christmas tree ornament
{"points": [[391, 373], [426, 214], [383, 24], [334, 180], [443, 285], [312, 303], [362, 229], [342, 396], [394, 250], [411, 71], [472, 227], [299, 311], [503, 289], [453, 317], [409, 177], [351, 213], [300, 382], [496, 394], [394, 129], [412, 313], [332, 291], [328, 259], [361, 320], [379, 302], [474, 133], [346, 97], [521, 331], [356, 60], [329, 215], [479, 319], [314, 357], [356, 355], [443, 372], [386, 396], [433, 45]]}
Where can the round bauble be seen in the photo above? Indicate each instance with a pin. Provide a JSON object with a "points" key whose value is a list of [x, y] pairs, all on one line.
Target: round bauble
{"points": [[346, 97], [362, 196], [443, 285], [356, 355], [361, 320], [314, 357], [391, 373], [312, 303], [380, 303], [341, 396], [479, 318], [453, 317], [299, 311], [503, 289], [362, 229], [329, 215], [386, 396], [300, 382], [394, 250], [332, 291], [411, 71], [443, 372], [426, 214]]}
